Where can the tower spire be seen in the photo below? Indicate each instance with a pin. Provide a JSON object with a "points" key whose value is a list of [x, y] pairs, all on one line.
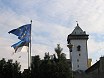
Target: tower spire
{"points": [[77, 23]]}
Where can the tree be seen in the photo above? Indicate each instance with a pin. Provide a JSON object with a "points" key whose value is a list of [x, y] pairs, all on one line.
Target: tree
{"points": [[63, 69], [9, 69], [58, 50], [50, 67], [26, 73], [35, 72], [2, 63]]}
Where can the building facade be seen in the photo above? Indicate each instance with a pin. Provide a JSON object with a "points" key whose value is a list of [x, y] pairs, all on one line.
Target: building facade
{"points": [[78, 53], [96, 70]]}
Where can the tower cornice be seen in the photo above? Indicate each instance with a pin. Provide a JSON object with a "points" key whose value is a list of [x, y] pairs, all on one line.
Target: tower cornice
{"points": [[78, 37]]}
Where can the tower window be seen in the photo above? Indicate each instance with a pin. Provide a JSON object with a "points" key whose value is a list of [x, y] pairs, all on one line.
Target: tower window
{"points": [[79, 54], [77, 60], [78, 66], [78, 48]]}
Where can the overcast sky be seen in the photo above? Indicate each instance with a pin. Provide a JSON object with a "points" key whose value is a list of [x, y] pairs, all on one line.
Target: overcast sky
{"points": [[53, 20]]}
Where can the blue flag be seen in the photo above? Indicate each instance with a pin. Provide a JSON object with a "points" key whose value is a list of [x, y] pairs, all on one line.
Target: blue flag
{"points": [[22, 32], [19, 45]]}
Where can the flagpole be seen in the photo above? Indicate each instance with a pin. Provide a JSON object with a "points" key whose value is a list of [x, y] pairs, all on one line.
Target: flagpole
{"points": [[30, 45], [28, 58]]}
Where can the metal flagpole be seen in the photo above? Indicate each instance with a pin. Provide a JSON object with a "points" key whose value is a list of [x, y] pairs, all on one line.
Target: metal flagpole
{"points": [[28, 58], [30, 44]]}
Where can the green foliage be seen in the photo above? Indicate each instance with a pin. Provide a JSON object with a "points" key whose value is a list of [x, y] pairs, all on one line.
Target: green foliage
{"points": [[9, 69], [58, 50], [35, 72], [51, 67], [26, 73]]}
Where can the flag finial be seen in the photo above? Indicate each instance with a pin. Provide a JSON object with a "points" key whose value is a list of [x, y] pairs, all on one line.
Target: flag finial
{"points": [[31, 21]]}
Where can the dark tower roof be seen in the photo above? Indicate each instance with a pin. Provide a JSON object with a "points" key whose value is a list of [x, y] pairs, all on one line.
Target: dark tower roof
{"points": [[77, 33]]}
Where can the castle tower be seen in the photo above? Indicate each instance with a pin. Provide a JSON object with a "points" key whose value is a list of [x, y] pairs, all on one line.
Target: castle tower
{"points": [[78, 52]]}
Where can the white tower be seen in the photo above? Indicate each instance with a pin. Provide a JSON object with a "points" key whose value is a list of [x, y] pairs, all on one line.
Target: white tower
{"points": [[78, 53]]}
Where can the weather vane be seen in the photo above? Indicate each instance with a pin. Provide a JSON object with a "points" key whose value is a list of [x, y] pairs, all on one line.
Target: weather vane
{"points": [[77, 23]]}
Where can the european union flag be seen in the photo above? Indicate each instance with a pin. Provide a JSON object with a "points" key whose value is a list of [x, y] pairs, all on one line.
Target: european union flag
{"points": [[19, 45], [22, 32]]}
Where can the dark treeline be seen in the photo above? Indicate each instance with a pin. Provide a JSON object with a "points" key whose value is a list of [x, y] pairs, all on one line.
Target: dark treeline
{"points": [[50, 67], [8, 69]]}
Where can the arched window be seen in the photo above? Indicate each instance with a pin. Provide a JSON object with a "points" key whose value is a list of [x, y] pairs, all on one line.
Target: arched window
{"points": [[78, 48], [78, 66], [79, 54], [77, 60]]}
